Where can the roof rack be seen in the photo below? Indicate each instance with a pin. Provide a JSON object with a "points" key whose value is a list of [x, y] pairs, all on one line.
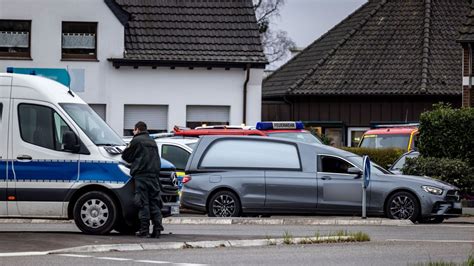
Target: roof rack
{"points": [[398, 125], [161, 135]]}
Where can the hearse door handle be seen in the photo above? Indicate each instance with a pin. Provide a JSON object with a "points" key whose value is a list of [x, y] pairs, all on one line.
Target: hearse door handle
{"points": [[326, 178], [24, 158]]}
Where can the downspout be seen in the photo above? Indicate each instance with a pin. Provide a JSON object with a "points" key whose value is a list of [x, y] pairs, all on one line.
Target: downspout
{"points": [[287, 101], [470, 74], [247, 78]]}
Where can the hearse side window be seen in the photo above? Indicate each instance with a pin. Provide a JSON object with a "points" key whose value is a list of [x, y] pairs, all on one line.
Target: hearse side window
{"points": [[330, 164], [41, 126], [175, 155], [239, 153], [1, 117]]}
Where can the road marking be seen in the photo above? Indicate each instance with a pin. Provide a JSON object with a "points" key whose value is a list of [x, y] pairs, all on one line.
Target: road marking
{"points": [[75, 255], [131, 260], [112, 258], [21, 254], [152, 261], [432, 241]]}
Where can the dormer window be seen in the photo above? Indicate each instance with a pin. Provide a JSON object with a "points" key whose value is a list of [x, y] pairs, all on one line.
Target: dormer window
{"points": [[15, 39], [79, 40]]}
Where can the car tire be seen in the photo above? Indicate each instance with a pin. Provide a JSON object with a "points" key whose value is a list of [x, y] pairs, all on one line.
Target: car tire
{"points": [[95, 213], [432, 220], [224, 204], [403, 206]]}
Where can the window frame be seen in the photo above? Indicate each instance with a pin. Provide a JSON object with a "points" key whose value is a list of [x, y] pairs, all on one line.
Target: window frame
{"points": [[204, 153], [21, 55], [320, 164], [80, 57], [53, 124]]}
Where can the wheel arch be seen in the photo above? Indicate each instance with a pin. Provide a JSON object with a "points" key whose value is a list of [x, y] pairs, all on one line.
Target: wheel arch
{"points": [[93, 187], [407, 190], [219, 189]]}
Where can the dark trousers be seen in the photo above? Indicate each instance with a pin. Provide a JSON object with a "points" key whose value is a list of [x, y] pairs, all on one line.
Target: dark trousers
{"points": [[148, 201]]}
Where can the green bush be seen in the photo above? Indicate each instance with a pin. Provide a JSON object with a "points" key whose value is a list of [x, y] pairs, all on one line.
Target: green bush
{"points": [[453, 171], [382, 157], [447, 133]]}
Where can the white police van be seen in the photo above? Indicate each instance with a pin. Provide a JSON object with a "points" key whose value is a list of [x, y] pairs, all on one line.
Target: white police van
{"points": [[60, 160]]}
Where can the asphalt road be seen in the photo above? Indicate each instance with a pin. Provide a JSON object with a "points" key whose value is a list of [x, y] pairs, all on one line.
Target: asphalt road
{"points": [[389, 245]]}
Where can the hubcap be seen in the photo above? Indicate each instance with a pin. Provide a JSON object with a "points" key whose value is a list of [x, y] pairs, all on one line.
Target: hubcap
{"points": [[223, 206], [94, 213], [402, 207]]}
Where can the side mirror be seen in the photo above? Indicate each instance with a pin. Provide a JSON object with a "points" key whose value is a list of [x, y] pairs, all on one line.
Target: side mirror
{"points": [[355, 171], [70, 142]]}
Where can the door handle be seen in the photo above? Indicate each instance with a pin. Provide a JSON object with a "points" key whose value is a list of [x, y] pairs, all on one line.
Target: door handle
{"points": [[24, 158], [326, 178]]}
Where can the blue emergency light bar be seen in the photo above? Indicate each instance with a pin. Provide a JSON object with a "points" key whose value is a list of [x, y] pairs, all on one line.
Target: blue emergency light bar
{"points": [[280, 125]]}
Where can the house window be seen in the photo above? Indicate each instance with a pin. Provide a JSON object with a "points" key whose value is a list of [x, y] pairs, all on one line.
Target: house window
{"points": [[15, 38], [198, 115], [79, 40], [354, 135], [155, 116]]}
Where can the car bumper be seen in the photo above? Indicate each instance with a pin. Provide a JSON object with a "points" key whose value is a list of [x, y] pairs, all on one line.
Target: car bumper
{"points": [[447, 206]]}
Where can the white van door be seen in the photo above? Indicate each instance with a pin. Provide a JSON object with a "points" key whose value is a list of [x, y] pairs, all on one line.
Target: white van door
{"points": [[5, 88], [43, 173]]}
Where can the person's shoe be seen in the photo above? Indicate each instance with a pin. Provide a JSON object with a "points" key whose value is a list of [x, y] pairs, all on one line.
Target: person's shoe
{"points": [[142, 234], [155, 234]]}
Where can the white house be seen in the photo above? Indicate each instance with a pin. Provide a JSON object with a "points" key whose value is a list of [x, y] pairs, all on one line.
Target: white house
{"points": [[164, 62]]}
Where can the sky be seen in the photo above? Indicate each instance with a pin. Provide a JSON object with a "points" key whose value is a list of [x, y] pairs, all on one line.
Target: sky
{"points": [[307, 20]]}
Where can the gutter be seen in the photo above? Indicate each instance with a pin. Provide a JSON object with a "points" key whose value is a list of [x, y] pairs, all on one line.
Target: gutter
{"points": [[247, 78]]}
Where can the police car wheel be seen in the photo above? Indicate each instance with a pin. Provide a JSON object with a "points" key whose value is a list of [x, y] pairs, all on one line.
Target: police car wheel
{"points": [[95, 213], [224, 204]]}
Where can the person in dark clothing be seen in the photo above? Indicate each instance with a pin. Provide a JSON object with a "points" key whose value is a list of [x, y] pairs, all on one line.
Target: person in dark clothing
{"points": [[142, 154]]}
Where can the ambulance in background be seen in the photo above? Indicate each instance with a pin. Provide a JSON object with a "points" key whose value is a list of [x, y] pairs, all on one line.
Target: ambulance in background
{"points": [[59, 159], [396, 136]]}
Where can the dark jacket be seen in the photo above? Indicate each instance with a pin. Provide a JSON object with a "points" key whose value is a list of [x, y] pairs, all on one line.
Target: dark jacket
{"points": [[142, 154]]}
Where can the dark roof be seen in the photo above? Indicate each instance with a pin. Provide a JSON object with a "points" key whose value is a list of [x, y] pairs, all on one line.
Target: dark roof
{"points": [[393, 47], [467, 29], [190, 32]]}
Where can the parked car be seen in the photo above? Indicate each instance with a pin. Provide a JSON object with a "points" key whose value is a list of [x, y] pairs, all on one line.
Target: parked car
{"points": [[232, 175], [287, 130], [404, 137], [397, 166]]}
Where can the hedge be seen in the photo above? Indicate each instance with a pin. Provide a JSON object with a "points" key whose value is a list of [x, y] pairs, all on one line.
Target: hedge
{"points": [[453, 171], [447, 133], [382, 157]]}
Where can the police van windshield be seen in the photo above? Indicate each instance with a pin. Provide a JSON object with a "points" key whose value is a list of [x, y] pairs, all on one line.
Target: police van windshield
{"points": [[93, 126], [306, 137]]}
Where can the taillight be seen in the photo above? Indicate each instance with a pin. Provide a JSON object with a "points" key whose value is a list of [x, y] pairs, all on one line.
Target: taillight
{"points": [[186, 179]]}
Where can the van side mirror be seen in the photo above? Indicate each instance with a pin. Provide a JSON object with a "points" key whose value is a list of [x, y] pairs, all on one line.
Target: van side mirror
{"points": [[355, 171], [70, 142]]}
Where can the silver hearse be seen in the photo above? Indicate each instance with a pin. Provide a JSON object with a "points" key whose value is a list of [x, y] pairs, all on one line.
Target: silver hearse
{"points": [[229, 176]]}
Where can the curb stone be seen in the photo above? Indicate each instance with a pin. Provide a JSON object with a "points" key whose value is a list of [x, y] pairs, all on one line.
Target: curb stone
{"points": [[241, 221], [190, 245]]}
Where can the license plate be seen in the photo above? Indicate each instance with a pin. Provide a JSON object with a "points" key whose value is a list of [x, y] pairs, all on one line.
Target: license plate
{"points": [[174, 210]]}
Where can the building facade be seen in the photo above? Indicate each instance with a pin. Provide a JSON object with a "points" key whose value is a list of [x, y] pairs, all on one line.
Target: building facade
{"points": [[164, 62], [386, 63]]}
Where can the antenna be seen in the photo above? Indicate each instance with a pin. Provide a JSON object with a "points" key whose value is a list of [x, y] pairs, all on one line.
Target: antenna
{"points": [[69, 85]]}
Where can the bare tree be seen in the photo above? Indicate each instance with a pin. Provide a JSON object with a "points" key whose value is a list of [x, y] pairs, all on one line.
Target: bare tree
{"points": [[276, 43]]}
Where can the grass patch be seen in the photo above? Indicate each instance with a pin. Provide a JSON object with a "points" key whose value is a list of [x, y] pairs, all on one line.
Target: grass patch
{"points": [[287, 238], [469, 262]]}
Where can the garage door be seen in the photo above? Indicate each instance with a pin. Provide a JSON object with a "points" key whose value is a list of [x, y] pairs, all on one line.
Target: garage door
{"points": [[155, 116], [99, 109], [196, 115]]}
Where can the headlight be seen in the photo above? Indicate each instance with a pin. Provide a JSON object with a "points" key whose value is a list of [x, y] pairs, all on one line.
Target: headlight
{"points": [[432, 190]]}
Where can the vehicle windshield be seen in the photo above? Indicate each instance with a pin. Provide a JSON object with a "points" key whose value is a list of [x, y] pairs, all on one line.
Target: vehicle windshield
{"points": [[401, 162], [306, 137], [93, 126], [374, 168], [385, 141]]}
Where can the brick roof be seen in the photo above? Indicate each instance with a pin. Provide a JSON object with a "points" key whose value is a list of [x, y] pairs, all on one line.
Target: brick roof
{"points": [[184, 31], [386, 47]]}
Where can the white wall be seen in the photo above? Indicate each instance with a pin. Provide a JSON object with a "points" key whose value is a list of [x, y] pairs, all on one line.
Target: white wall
{"points": [[115, 87]]}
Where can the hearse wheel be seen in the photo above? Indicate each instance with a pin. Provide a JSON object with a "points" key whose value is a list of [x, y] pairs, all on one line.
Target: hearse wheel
{"points": [[224, 204]]}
